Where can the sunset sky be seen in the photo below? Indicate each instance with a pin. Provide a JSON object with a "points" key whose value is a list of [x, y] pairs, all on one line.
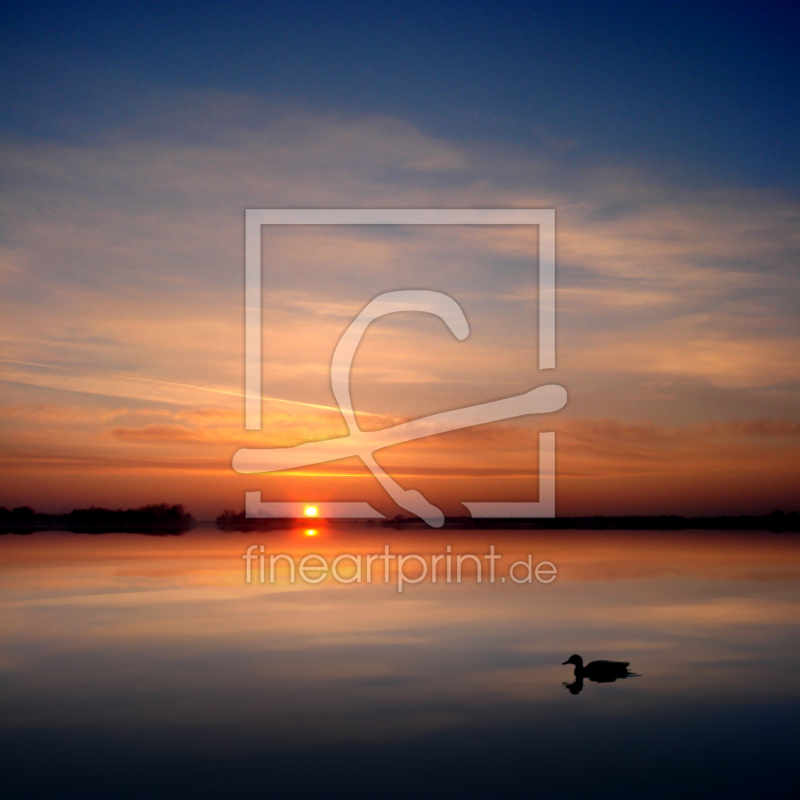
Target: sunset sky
{"points": [[133, 139]]}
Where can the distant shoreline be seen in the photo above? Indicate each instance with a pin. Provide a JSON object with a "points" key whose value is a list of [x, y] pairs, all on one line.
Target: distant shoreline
{"points": [[160, 518], [776, 522], [174, 519]]}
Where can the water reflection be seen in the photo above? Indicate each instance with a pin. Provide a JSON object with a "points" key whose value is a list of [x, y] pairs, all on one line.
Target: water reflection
{"points": [[151, 657]]}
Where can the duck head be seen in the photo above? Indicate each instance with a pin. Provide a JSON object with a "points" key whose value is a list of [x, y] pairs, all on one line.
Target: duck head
{"points": [[576, 660]]}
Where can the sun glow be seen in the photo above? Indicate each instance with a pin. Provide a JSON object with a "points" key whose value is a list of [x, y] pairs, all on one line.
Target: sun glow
{"points": [[311, 511], [311, 532]]}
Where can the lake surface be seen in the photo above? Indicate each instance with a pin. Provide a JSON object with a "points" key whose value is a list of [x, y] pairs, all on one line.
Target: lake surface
{"points": [[136, 666]]}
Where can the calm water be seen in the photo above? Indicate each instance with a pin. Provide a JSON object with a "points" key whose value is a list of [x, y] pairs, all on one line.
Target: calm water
{"points": [[139, 666]]}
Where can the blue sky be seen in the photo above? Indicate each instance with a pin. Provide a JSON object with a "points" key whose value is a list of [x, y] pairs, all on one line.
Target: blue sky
{"points": [[707, 91]]}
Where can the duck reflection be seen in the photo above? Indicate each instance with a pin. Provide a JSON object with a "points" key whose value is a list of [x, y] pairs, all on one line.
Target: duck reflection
{"points": [[597, 671]]}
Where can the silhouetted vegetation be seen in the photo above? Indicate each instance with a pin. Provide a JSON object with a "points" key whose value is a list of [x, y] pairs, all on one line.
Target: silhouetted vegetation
{"points": [[230, 520], [158, 519], [174, 519], [777, 522]]}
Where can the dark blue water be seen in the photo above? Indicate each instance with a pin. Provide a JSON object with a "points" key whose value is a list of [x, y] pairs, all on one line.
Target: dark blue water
{"points": [[136, 666]]}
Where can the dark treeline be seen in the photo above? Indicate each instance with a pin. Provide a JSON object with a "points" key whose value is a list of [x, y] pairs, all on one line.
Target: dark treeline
{"points": [[174, 519], [161, 519], [777, 521]]}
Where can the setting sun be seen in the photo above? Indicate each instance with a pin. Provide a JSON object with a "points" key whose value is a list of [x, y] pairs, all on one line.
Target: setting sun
{"points": [[311, 511]]}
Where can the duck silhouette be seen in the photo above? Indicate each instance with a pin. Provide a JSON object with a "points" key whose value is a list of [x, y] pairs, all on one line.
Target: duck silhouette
{"points": [[597, 671]]}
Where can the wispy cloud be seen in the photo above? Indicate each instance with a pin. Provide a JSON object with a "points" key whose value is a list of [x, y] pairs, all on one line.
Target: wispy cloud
{"points": [[122, 268]]}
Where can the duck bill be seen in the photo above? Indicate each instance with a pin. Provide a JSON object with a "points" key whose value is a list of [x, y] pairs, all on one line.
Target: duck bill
{"points": [[564, 663]]}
